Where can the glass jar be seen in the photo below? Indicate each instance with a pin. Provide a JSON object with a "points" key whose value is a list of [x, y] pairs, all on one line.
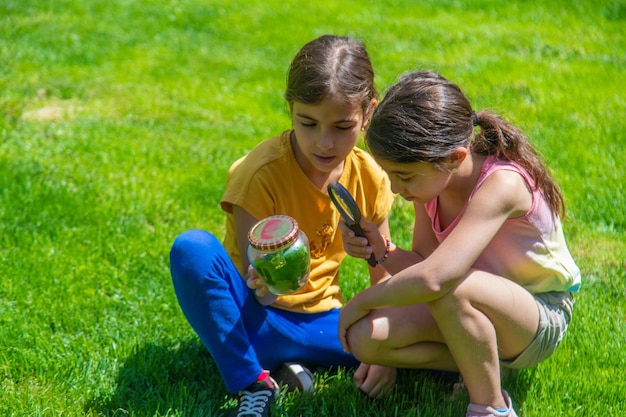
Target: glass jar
{"points": [[279, 252]]}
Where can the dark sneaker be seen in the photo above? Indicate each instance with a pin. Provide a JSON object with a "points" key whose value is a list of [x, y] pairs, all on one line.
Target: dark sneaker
{"points": [[295, 376], [257, 399]]}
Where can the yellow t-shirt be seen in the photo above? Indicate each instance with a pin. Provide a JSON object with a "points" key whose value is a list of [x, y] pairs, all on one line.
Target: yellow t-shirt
{"points": [[269, 181]]}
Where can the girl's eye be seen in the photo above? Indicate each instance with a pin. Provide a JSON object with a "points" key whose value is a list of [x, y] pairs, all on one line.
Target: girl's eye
{"points": [[344, 127], [306, 124], [407, 179]]}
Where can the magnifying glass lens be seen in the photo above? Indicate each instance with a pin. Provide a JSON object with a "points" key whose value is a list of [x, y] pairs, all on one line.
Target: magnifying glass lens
{"points": [[347, 213], [349, 210]]}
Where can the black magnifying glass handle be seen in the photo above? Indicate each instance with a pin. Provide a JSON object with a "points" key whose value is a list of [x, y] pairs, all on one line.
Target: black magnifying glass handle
{"points": [[349, 211]]}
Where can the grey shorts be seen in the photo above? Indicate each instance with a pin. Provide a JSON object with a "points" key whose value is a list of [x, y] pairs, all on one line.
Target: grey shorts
{"points": [[555, 314]]}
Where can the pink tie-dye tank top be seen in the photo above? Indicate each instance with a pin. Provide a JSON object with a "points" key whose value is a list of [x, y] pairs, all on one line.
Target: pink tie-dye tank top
{"points": [[530, 249]]}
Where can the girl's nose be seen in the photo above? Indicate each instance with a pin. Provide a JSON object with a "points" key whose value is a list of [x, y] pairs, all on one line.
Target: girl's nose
{"points": [[396, 186], [325, 140]]}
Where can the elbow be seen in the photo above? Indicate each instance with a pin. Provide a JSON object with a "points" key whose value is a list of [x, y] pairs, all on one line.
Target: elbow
{"points": [[436, 284]]}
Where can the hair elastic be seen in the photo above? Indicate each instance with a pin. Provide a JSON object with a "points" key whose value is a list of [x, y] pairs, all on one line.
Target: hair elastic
{"points": [[474, 118]]}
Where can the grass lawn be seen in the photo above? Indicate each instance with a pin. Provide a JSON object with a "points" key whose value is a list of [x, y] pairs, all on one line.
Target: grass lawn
{"points": [[119, 119]]}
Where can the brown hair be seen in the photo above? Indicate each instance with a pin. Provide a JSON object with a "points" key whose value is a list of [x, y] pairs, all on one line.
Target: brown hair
{"points": [[331, 66], [424, 117]]}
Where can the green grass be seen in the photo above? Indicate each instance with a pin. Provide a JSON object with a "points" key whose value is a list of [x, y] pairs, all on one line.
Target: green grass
{"points": [[119, 119]]}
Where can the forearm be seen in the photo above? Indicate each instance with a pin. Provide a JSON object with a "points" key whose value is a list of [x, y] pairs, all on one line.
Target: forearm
{"points": [[400, 259], [412, 285]]}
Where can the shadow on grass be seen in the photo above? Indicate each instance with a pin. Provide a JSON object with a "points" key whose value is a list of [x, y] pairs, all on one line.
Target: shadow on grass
{"points": [[164, 380], [518, 383], [417, 393], [183, 380]]}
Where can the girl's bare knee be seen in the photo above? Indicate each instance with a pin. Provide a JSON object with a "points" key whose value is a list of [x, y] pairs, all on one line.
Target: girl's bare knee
{"points": [[450, 303], [361, 343]]}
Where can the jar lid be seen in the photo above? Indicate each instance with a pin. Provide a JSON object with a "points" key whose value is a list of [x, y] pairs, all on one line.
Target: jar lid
{"points": [[273, 233]]}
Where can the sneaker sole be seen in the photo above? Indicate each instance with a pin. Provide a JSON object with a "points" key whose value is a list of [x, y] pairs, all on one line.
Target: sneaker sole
{"points": [[295, 377]]}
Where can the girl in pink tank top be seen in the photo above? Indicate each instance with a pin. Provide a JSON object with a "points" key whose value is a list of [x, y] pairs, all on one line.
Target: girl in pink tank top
{"points": [[488, 280]]}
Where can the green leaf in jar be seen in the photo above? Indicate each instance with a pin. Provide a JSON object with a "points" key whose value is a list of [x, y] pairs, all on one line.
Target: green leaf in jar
{"points": [[283, 270]]}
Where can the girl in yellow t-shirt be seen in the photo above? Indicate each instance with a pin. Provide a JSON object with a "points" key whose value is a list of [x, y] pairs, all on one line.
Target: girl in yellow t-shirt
{"points": [[251, 333]]}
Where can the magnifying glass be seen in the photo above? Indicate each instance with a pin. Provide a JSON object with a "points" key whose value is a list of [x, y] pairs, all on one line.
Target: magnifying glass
{"points": [[349, 211]]}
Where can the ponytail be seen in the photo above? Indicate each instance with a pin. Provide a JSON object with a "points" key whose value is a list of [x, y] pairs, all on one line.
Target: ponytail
{"points": [[498, 138]]}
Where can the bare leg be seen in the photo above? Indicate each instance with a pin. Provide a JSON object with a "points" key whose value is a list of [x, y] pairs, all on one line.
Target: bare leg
{"points": [[484, 319], [401, 337]]}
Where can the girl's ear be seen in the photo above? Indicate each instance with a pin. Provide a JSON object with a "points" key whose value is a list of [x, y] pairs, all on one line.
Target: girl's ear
{"points": [[368, 112], [456, 158]]}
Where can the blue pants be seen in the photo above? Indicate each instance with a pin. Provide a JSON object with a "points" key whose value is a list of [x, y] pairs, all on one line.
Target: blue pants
{"points": [[243, 336]]}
